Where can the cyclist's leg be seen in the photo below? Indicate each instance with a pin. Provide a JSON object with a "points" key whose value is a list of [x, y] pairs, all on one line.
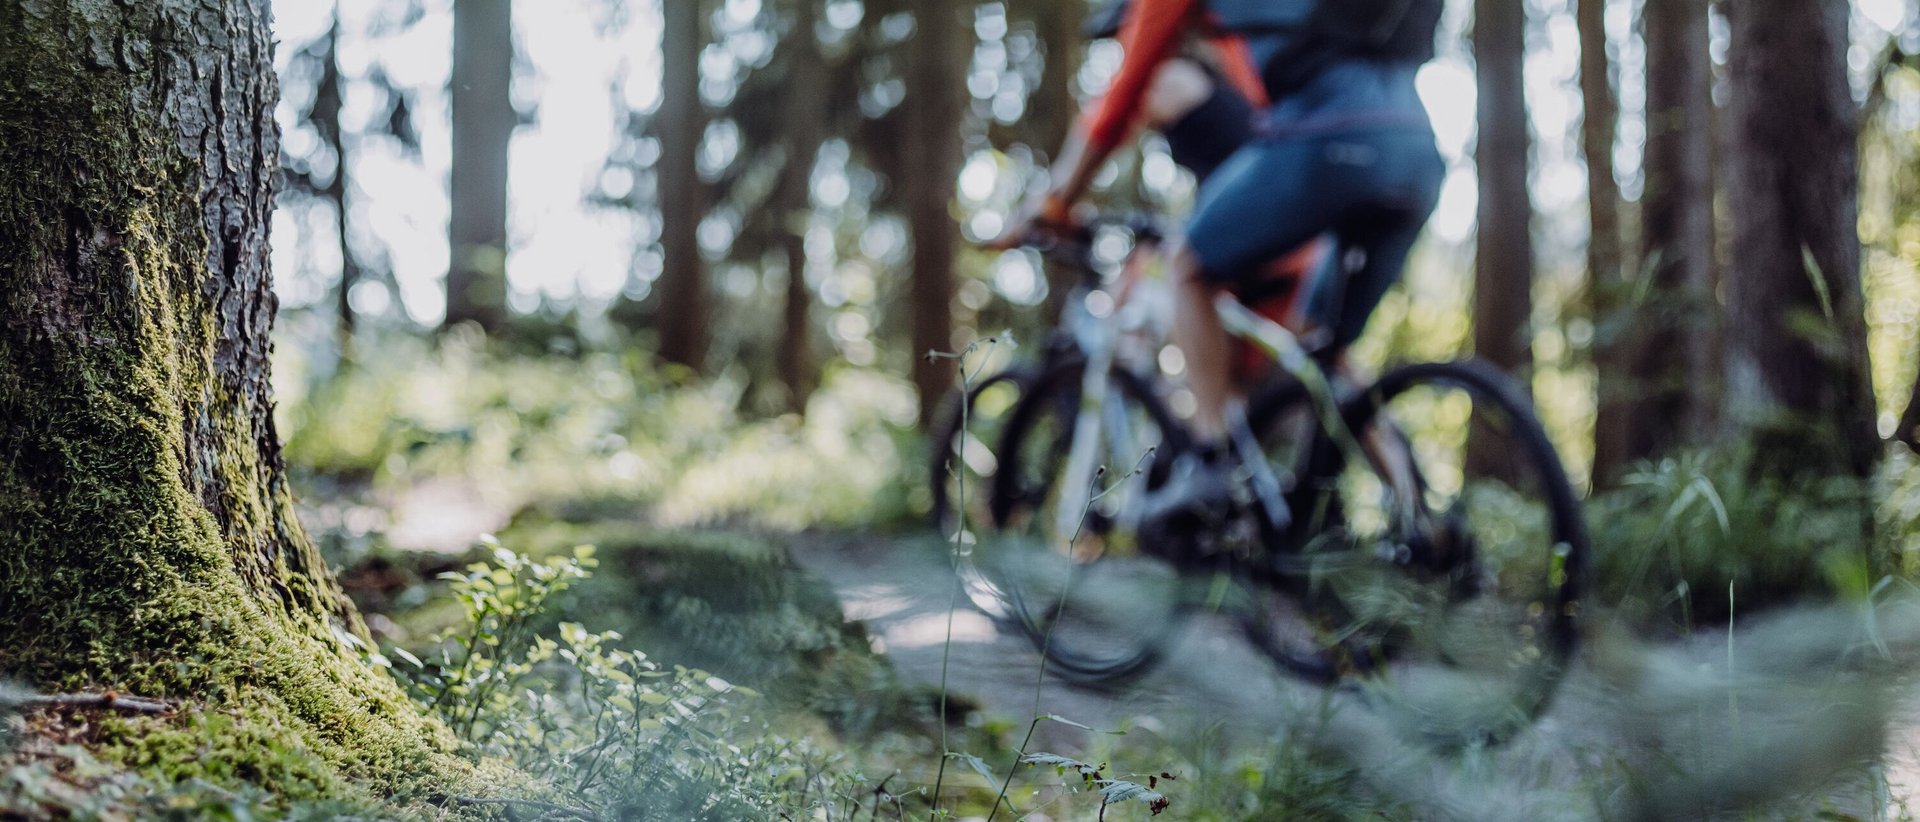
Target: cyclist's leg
{"points": [[1269, 198], [1395, 178], [1403, 188]]}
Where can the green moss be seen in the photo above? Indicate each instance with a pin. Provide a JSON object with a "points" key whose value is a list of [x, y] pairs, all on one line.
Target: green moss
{"points": [[147, 542]]}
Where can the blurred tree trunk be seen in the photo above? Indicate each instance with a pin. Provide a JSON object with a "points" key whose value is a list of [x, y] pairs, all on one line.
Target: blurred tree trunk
{"points": [[1797, 376], [805, 126], [1671, 341], [1055, 108], [150, 542], [325, 116], [681, 123], [1605, 279], [1503, 276], [934, 111], [483, 123]]}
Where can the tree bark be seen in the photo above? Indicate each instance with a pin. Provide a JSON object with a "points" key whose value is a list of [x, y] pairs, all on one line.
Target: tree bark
{"points": [[805, 131], [483, 123], [1503, 274], [148, 542], [1673, 359], [934, 109], [1797, 378], [685, 301], [1599, 131]]}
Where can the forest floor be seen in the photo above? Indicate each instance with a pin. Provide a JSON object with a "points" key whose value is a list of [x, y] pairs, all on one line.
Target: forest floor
{"points": [[1640, 727], [1633, 717]]}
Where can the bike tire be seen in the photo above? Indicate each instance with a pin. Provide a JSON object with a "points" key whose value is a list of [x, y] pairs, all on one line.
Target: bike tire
{"points": [[1079, 637], [949, 462], [1504, 594]]}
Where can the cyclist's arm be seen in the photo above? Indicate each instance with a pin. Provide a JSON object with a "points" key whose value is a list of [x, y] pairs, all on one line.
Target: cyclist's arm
{"points": [[1149, 37]]}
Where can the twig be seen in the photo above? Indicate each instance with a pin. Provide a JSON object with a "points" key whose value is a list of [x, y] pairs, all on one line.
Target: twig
{"points": [[548, 807], [108, 700]]}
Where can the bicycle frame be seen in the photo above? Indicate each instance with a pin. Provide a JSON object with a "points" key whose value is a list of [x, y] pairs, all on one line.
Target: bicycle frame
{"points": [[1099, 339]]}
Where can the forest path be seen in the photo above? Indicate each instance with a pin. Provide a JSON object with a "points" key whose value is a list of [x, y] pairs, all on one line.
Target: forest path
{"points": [[1629, 717]]}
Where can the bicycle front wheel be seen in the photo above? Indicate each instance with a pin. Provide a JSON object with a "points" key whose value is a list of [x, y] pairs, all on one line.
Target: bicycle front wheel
{"points": [[963, 463], [1440, 549], [1065, 564]]}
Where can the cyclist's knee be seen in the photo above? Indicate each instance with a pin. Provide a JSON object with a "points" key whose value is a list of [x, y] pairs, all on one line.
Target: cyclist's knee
{"points": [[1179, 87], [1189, 270]]}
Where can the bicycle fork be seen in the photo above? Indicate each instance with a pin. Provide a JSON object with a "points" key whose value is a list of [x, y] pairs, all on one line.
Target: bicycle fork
{"points": [[1081, 471]]}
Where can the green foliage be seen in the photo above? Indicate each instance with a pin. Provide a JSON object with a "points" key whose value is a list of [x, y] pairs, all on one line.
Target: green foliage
{"points": [[1112, 791], [733, 604], [606, 728], [1681, 532]]}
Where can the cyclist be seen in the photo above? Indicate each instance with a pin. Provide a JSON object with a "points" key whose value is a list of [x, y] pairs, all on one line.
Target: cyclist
{"points": [[1342, 147]]}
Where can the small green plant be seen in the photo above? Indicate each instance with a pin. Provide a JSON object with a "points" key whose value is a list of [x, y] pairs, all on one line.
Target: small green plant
{"points": [[1112, 791], [609, 729]]}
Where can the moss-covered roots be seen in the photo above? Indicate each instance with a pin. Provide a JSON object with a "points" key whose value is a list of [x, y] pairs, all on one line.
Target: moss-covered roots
{"points": [[147, 540]]}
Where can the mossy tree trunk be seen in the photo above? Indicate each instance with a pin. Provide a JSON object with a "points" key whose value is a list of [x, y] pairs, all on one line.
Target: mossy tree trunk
{"points": [[147, 536]]}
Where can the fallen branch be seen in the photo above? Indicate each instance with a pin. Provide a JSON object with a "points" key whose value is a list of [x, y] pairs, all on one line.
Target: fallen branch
{"points": [[108, 700], [544, 807]]}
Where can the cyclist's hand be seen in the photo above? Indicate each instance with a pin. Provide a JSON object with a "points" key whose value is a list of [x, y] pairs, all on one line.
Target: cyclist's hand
{"points": [[1050, 214]]}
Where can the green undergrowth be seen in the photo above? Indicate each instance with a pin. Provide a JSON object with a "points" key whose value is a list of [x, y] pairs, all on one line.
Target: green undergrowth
{"points": [[598, 429], [731, 602], [1701, 537]]}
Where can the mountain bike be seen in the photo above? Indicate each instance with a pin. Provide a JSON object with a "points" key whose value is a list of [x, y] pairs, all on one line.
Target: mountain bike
{"points": [[1414, 537]]}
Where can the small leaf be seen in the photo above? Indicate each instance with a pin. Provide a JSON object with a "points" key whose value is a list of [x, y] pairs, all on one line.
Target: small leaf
{"points": [[1068, 722], [1120, 790], [978, 765]]}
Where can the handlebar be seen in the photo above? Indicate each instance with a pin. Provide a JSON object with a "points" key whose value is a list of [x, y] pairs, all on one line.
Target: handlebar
{"points": [[1073, 246]]}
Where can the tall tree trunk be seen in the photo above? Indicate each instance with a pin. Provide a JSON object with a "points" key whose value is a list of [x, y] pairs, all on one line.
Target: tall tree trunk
{"points": [[1054, 108], [935, 108], [147, 537], [1605, 281], [483, 123], [1503, 275], [685, 324], [328, 97], [1674, 363], [1797, 378], [805, 131]]}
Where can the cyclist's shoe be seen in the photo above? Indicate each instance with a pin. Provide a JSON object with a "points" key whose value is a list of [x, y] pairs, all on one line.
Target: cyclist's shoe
{"points": [[1198, 491]]}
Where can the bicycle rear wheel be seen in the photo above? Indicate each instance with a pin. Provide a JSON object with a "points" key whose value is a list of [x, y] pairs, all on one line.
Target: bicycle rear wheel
{"points": [[1439, 547], [1064, 565]]}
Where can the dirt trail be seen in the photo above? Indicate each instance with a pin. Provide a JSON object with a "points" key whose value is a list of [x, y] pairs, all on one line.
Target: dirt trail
{"points": [[1668, 715]]}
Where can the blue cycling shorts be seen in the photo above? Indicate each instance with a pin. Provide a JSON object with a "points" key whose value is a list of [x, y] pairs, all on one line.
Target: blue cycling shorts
{"points": [[1372, 189]]}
